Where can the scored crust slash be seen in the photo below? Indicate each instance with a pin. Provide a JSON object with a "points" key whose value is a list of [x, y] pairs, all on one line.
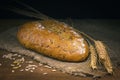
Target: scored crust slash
{"points": [[61, 41]]}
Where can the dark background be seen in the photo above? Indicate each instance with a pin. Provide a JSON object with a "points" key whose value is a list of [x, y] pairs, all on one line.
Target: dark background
{"points": [[75, 9]]}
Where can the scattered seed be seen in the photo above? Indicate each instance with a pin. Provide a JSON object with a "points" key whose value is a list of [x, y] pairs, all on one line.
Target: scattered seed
{"points": [[12, 65], [17, 63], [30, 67], [53, 70], [13, 71], [22, 70], [45, 73], [31, 70], [8, 56], [29, 61], [15, 54], [40, 64], [19, 55], [26, 69], [15, 67], [19, 60], [46, 66]]}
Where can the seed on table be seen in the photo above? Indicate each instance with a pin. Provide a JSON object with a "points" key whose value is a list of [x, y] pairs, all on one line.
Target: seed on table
{"points": [[13, 71], [45, 73], [19, 55], [29, 61], [26, 69], [16, 67], [22, 70], [12, 65], [31, 70], [46, 66], [53, 70], [15, 54], [40, 64]]}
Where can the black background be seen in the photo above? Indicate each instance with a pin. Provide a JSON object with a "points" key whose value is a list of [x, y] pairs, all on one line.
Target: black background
{"points": [[75, 9]]}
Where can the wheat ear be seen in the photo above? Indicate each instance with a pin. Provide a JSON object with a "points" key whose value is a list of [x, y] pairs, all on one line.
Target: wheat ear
{"points": [[103, 55], [93, 54]]}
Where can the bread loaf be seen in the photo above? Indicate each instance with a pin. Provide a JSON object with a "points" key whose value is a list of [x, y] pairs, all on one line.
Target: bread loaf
{"points": [[54, 39]]}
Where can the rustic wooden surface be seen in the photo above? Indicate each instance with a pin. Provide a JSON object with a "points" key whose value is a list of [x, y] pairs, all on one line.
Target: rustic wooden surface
{"points": [[41, 72], [38, 74]]}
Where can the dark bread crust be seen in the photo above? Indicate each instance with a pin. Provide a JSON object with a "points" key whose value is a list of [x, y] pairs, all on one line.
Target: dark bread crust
{"points": [[54, 39]]}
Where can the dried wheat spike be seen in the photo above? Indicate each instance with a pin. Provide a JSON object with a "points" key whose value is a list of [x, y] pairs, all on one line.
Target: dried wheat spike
{"points": [[93, 57], [103, 55]]}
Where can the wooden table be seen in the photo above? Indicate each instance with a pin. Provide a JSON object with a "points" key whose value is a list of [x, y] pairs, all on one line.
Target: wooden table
{"points": [[41, 72]]}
